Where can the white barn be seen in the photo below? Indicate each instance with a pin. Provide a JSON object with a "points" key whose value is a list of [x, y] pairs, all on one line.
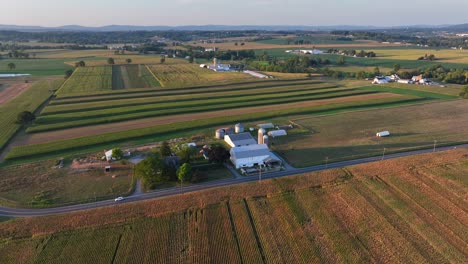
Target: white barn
{"points": [[253, 155], [239, 140]]}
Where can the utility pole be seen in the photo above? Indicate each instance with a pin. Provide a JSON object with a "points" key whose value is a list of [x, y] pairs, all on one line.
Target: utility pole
{"points": [[435, 142], [383, 154], [260, 174], [326, 162]]}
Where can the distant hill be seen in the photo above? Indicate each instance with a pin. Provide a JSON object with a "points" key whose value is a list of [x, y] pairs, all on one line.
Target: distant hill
{"points": [[217, 28]]}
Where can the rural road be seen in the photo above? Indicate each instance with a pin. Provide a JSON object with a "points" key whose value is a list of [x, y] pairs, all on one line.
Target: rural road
{"points": [[22, 212]]}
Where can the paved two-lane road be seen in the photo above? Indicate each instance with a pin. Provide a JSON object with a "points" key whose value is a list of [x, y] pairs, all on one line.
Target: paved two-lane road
{"points": [[22, 212]]}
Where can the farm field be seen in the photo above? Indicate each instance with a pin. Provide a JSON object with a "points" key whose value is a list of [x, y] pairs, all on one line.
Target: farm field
{"points": [[29, 100], [176, 126], [352, 135], [407, 210], [40, 185], [86, 79], [11, 91], [36, 67], [132, 76], [267, 46], [186, 75]]}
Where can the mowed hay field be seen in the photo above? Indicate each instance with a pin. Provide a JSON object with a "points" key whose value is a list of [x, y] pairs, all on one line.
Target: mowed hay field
{"points": [[185, 75], [352, 135], [407, 210]]}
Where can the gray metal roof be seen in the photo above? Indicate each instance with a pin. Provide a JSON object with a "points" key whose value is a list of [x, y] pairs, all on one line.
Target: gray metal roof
{"points": [[253, 151], [242, 139]]}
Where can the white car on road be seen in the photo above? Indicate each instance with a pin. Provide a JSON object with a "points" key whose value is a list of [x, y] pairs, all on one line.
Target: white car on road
{"points": [[118, 199]]}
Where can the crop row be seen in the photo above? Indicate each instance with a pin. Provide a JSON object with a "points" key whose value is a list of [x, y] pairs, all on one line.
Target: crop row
{"points": [[70, 108], [28, 101], [138, 93], [163, 131], [54, 122], [86, 79]]}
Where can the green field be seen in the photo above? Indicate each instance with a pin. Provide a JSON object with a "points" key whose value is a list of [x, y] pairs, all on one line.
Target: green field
{"points": [[88, 79], [315, 40], [122, 113], [362, 214], [132, 76], [30, 100], [352, 135], [36, 67]]}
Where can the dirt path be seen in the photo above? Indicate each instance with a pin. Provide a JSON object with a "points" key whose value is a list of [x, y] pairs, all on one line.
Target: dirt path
{"points": [[125, 77], [12, 91], [44, 137]]}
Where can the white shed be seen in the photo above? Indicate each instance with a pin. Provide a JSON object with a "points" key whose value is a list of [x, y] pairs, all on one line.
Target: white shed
{"points": [[108, 155], [383, 134], [278, 133]]}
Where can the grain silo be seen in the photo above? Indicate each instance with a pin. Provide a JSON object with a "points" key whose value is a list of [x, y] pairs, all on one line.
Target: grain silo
{"points": [[261, 133], [220, 133], [265, 139], [215, 62], [239, 128]]}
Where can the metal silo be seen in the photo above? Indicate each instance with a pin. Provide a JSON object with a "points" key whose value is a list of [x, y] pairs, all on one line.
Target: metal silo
{"points": [[220, 133], [265, 139], [261, 133], [239, 128]]}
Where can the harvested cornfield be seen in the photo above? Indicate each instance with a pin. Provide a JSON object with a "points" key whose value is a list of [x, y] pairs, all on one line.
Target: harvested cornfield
{"points": [[407, 210]]}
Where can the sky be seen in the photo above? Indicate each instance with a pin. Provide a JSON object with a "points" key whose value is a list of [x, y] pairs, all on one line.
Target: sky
{"points": [[232, 12]]}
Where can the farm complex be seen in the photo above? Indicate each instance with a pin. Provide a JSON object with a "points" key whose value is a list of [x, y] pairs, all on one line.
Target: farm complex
{"points": [[233, 147]]}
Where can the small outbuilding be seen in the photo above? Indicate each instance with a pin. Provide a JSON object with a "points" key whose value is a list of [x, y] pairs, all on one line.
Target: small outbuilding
{"points": [[266, 126], [277, 133], [383, 134]]}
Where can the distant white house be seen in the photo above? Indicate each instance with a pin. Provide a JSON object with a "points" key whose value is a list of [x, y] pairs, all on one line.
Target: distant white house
{"points": [[314, 51], [405, 81], [252, 156], [380, 80]]}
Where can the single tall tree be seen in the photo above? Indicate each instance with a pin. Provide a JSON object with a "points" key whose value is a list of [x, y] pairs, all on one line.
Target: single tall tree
{"points": [[110, 61], [25, 118], [11, 66], [128, 60], [184, 173], [165, 149]]}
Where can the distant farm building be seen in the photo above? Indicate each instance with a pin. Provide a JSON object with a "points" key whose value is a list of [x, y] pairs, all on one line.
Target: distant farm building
{"points": [[253, 155], [277, 133], [266, 126], [239, 140], [380, 80], [383, 134]]}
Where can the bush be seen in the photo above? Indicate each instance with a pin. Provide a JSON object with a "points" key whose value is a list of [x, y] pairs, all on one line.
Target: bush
{"points": [[464, 92], [25, 118]]}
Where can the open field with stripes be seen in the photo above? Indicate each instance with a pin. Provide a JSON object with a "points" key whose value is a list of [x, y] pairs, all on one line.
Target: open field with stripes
{"points": [[163, 112], [407, 210]]}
